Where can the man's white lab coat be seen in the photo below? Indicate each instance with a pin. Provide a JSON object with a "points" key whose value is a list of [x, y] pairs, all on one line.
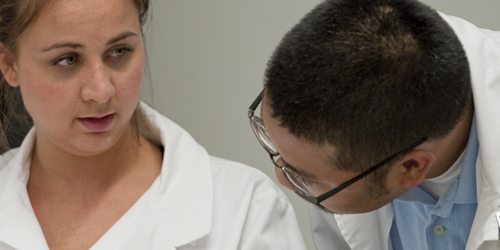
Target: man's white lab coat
{"points": [[197, 202], [370, 231]]}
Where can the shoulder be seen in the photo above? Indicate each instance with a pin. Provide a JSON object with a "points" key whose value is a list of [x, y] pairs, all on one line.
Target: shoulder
{"points": [[224, 166], [21, 154], [242, 188], [227, 172], [493, 34], [6, 157], [6, 171], [249, 202]]}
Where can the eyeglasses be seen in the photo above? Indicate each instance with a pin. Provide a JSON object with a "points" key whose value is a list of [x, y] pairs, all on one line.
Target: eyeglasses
{"points": [[291, 175]]}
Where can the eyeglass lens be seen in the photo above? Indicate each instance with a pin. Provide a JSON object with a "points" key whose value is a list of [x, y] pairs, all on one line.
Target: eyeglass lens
{"points": [[297, 181], [293, 177], [263, 136]]}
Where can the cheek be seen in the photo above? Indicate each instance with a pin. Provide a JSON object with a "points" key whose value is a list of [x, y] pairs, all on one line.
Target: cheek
{"points": [[132, 80], [354, 202], [352, 199], [345, 204], [137, 70], [45, 107], [39, 93]]}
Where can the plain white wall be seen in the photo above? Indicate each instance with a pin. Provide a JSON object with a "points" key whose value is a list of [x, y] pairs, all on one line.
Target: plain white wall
{"points": [[207, 60]]}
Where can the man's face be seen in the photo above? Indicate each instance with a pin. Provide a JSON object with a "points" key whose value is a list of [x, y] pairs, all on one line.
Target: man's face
{"points": [[315, 165]]}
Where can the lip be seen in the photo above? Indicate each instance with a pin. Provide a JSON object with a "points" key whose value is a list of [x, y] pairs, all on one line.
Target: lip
{"points": [[97, 124]]}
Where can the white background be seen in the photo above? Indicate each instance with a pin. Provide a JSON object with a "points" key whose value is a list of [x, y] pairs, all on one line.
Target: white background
{"points": [[207, 60]]}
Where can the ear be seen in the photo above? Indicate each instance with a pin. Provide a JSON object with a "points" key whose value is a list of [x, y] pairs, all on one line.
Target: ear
{"points": [[8, 67], [414, 166]]}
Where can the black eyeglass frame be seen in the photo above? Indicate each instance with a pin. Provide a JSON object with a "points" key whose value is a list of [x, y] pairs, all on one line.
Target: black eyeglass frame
{"points": [[319, 199]]}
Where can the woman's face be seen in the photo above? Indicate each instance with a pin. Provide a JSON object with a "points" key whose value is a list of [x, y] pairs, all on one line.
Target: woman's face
{"points": [[79, 67]]}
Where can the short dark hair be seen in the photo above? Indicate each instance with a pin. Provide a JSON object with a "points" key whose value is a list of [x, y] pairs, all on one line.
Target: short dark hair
{"points": [[368, 77]]}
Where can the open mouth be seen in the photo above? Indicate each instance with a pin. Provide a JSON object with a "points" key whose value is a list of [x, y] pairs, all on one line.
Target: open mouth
{"points": [[97, 124]]}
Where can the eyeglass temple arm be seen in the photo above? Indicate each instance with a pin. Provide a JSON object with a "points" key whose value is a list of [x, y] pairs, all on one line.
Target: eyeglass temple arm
{"points": [[255, 103], [349, 182], [369, 171]]}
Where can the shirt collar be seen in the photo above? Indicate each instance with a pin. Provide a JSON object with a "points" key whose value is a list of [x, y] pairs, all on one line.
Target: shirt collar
{"points": [[463, 189], [466, 190]]}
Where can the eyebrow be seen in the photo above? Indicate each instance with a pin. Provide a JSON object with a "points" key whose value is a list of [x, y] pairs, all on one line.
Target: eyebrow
{"points": [[63, 45], [121, 37], [78, 45]]}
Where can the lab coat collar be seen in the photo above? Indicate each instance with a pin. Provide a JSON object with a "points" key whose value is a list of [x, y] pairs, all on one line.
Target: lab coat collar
{"points": [[367, 231], [184, 195], [18, 218]]}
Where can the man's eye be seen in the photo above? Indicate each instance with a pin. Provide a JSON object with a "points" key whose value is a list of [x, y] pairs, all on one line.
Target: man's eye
{"points": [[307, 182]]}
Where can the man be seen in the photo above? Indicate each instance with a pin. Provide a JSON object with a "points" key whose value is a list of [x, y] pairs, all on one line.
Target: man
{"points": [[384, 114]]}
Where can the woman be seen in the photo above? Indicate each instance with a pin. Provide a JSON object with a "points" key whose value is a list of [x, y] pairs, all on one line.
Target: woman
{"points": [[101, 170]]}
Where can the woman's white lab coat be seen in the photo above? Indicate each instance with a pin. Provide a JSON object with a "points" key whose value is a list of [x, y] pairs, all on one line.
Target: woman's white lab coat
{"points": [[197, 202], [370, 231]]}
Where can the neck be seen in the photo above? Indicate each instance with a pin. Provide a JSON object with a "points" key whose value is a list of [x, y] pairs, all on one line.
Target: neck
{"points": [[52, 169], [449, 149]]}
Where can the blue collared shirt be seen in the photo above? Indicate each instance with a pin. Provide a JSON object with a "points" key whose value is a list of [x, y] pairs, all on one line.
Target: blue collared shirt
{"points": [[421, 222]]}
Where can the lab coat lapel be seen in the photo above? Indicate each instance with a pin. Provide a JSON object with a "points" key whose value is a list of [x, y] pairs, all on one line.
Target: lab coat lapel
{"points": [[185, 198], [19, 216]]}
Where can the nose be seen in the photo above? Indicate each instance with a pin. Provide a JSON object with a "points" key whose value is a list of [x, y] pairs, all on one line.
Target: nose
{"points": [[97, 84], [282, 179]]}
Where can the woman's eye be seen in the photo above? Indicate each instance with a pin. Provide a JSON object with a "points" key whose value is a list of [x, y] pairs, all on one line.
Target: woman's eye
{"points": [[120, 52], [67, 61]]}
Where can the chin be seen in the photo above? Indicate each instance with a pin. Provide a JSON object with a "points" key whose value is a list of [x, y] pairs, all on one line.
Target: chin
{"points": [[93, 147], [356, 208]]}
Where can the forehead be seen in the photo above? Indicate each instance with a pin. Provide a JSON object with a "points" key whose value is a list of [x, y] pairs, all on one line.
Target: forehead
{"points": [[306, 157], [74, 19], [72, 10]]}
